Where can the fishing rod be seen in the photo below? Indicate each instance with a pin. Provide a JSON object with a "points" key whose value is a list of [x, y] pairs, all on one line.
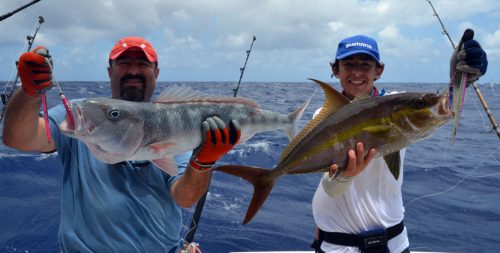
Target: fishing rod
{"points": [[18, 9], [31, 39], [242, 70], [189, 245], [476, 88]]}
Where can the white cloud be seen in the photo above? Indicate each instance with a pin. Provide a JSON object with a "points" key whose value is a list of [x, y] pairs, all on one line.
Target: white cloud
{"points": [[491, 45], [180, 15], [294, 35], [399, 46]]}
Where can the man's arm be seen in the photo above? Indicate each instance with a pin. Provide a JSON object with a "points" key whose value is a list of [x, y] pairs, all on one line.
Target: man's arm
{"points": [[189, 188], [218, 139], [23, 128]]}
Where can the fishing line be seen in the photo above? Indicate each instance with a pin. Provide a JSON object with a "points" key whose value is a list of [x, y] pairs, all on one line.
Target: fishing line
{"points": [[439, 193], [193, 226], [487, 128], [187, 246], [468, 174], [493, 90], [481, 176]]}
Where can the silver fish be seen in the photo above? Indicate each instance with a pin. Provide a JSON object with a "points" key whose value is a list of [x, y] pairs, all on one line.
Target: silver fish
{"points": [[118, 130]]}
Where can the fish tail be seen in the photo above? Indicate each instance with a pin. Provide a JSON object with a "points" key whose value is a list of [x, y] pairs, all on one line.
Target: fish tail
{"points": [[295, 118], [262, 185]]}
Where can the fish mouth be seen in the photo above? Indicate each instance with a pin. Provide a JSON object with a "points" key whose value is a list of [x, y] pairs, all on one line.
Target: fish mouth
{"points": [[79, 126], [68, 125], [444, 105]]}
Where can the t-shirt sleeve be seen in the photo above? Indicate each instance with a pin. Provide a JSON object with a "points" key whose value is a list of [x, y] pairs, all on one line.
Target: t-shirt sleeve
{"points": [[57, 114]]}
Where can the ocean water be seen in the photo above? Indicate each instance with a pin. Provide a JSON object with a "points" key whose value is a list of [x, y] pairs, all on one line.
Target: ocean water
{"points": [[451, 190]]}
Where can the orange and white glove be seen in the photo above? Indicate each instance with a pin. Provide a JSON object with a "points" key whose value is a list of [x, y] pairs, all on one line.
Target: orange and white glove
{"points": [[217, 140], [35, 72]]}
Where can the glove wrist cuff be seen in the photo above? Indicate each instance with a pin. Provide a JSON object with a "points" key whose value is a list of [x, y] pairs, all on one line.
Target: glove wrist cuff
{"points": [[195, 164], [30, 94]]}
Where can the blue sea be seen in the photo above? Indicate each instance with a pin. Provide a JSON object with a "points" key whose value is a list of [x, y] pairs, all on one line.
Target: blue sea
{"points": [[451, 190]]}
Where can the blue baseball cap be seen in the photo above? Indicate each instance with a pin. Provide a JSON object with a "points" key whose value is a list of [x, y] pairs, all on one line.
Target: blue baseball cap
{"points": [[358, 44]]}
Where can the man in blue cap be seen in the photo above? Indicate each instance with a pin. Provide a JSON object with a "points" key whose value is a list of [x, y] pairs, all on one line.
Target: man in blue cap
{"points": [[362, 209]]}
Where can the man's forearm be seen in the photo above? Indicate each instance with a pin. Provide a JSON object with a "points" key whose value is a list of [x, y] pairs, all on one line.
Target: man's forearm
{"points": [[21, 122], [188, 189]]}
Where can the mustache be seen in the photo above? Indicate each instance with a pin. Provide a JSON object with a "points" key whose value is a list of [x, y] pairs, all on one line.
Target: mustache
{"points": [[132, 76], [132, 93]]}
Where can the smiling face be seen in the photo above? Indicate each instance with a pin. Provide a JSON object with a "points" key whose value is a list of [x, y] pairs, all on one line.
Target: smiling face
{"points": [[357, 74], [133, 76]]}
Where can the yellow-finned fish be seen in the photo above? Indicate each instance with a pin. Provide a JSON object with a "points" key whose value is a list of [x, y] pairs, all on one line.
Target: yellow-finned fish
{"points": [[386, 123]]}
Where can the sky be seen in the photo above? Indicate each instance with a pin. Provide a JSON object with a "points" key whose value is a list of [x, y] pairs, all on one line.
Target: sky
{"points": [[207, 40]]}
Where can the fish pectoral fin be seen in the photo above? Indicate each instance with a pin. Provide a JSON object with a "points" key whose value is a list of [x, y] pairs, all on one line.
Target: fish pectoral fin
{"points": [[167, 164], [393, 161], [160, 147], [377, 129]]}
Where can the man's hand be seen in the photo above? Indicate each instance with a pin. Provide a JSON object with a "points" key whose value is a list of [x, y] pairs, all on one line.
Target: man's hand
{"points": [[469, 58], [357, 161], [217, 140], [334, 185], [35, 72]]}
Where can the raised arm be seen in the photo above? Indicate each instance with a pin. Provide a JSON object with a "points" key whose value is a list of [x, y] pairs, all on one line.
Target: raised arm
{"points": [[23, 128]]}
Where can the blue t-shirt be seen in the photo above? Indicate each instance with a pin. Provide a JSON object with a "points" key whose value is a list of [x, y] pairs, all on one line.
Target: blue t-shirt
{"points": [[114, 207]]}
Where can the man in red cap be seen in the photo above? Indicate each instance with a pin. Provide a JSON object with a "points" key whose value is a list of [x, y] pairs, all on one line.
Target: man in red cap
{"points": [[138, 83], [131, 206]]}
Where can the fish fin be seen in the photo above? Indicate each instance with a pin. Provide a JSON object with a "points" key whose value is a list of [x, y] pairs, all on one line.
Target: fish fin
{"points": [[333, 101], [167, 164], [259, 178], [295, 118], [361, 96], [175, 94], [377, 129], [393, 161], [159, 147]]}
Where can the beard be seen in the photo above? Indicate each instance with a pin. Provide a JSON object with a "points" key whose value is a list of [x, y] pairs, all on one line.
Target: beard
{"points": [[132, 93]]}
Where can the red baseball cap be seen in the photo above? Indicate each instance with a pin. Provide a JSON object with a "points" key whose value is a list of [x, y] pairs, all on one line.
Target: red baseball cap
{"points": [[133, 42]]}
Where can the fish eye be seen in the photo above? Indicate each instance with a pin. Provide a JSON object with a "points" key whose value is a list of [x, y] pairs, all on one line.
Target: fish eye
{"points": [[113, 114], [419, 103]]}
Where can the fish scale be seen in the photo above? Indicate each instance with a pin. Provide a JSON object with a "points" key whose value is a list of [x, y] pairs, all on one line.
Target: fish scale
{"points": [[386, 123], [118, 130]]}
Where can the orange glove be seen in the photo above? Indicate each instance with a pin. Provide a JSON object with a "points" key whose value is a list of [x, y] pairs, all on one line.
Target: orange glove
{"points": [[217, 140], [35, 72]]}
